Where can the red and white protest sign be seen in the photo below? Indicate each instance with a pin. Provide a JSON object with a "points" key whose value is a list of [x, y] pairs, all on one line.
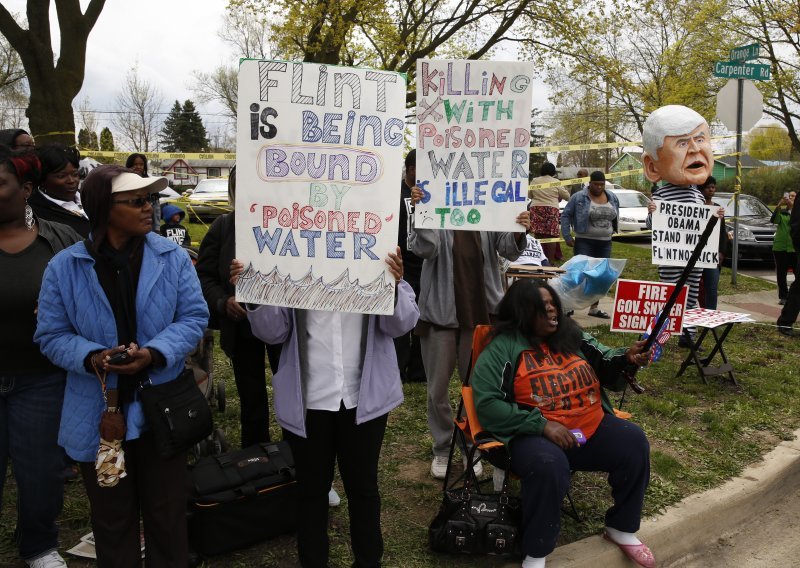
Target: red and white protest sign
{"points": [[637, 302]]}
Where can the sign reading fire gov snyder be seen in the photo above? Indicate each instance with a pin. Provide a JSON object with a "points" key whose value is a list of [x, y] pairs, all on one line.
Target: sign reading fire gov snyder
{"points": [[473, 140], [319, 162], [637, 303]]}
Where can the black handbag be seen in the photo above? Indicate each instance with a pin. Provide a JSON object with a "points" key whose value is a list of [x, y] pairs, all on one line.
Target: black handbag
{"points": [[476, 523], [177, 413]]}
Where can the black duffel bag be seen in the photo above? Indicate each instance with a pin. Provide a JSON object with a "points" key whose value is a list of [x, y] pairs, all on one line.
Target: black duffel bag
{"points": [[242, 497]]}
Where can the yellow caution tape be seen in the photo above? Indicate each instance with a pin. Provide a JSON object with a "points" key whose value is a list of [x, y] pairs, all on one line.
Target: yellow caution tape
{"points": [[122, 156]]}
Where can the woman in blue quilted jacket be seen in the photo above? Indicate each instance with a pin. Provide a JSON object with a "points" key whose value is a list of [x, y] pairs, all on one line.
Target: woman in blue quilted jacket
{"points": [[124, 290]]}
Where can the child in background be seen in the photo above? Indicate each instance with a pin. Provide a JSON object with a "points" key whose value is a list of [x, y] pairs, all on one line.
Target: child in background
{"points": [[172, 228]]}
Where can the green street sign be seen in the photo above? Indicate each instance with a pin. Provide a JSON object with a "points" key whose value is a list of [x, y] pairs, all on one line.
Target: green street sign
{"points": [[739, 70], [745, 52]]}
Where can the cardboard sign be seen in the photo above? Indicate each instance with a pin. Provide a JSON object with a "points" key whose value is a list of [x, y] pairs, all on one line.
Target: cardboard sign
{"points": [[637, 302], [473, 141], [319, 160], [676, 231]]}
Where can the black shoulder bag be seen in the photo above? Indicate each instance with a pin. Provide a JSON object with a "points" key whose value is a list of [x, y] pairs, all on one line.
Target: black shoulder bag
{"points": [[177, 413]]}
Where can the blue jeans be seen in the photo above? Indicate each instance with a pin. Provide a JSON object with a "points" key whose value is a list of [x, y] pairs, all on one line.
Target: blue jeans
{"points": [[593, 247], [30, 414]]}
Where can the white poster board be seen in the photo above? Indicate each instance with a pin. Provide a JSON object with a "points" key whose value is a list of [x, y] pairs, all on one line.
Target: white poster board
{"points": [[473, 141], [319, 161], [676, 231]]}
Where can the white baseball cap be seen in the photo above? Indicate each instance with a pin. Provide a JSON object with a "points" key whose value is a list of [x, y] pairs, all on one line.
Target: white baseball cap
{"points": [[128, 181]]}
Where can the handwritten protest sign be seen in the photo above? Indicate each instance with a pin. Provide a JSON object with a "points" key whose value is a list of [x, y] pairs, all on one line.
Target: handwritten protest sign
{"points": [[473, 139], [637, 302], [676, 230], [319, 159]]}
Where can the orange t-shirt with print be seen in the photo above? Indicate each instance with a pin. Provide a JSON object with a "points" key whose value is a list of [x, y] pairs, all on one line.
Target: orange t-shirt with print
{"points": [[563, 387]]}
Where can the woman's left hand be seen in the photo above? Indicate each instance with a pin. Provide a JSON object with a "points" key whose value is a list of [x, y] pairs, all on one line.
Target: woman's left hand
{"points": [[395, 262], [635, 355], [721, 212], [141, 358]]}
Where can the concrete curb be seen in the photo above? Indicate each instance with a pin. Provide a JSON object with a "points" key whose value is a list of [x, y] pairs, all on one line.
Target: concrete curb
{"points": [[698, 520]]}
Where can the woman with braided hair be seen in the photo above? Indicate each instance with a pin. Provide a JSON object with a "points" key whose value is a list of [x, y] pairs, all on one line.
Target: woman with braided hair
{"points": [[31, 387]]}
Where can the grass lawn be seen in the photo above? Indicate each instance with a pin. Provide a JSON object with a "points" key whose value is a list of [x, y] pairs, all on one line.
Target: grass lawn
{"points": [[700, 435]]}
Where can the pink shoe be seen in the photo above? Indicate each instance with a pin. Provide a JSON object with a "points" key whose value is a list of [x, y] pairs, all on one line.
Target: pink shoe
{"points": [[638, 553]]}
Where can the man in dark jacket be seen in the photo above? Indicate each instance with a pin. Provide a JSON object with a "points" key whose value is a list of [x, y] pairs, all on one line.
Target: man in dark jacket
{"points": [[792, 307], [409, 354]]}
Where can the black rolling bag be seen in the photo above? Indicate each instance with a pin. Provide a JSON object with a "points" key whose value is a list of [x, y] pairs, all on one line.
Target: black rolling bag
{"points": [[241, 497]]}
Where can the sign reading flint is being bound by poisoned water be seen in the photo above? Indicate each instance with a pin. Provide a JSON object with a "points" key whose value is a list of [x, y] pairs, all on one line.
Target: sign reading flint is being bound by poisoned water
{"points": [[473, 139], [319, 160]]}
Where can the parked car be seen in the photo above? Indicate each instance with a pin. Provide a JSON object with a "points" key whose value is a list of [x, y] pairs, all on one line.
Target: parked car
{"points": [[632, 210], [208, 200], [756, 233]]}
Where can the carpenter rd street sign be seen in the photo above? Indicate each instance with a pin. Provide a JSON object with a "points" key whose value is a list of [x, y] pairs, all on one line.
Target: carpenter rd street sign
{"points": [[739, 70], [745, 52]]}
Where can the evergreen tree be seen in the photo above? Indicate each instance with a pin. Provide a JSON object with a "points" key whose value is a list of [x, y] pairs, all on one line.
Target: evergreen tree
{"points": [[84, 139], [183, 129], [93, 142], [106, 140]]}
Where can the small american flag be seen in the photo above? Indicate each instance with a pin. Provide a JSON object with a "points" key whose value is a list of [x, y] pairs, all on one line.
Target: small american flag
{"points": [[658, 347]]}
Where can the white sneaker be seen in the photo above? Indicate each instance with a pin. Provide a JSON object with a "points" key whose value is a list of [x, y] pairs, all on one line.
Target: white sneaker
{"points": [[50, 560], [333, 498], [439, 467], [497, 479], [477, 468]]}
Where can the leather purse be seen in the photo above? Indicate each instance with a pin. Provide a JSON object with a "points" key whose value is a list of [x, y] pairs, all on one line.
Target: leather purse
{"points": [[177, 413], [471, 522]]}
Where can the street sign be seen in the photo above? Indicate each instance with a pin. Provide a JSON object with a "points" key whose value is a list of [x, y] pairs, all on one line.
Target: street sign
{"points": [[745, 52], [740, 70], [752, 105]]}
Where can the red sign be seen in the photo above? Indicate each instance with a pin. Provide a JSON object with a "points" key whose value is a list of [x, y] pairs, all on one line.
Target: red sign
{"points": [[637, 302]]}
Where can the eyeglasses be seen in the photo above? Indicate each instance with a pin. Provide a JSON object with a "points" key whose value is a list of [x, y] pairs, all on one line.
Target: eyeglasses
{"points": [[139, 202]]}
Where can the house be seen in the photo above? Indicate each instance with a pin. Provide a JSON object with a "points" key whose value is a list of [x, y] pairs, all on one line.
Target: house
{"points": [[725, 168], [189, 172]]}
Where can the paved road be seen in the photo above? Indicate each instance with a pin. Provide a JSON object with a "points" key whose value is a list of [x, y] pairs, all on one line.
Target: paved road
{"points": [[769, 540]]}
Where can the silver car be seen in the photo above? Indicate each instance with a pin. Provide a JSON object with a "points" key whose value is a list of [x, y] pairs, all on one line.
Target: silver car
{"points": [[208, 200]]}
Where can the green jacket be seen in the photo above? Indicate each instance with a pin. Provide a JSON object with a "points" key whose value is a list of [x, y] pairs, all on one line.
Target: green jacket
{"points": [[493, 384], [783, 238]]}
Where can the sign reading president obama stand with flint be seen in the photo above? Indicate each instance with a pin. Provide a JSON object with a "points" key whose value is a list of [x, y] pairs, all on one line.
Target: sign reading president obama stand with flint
{"points": [[319, 157], [473, 142]]}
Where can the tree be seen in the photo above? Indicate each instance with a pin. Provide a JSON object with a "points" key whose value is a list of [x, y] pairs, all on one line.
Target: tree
{"points": [[53, 84], [183, 129], [393, 34], [106, 140], [660, 53], [774, 25], [248, 36], [138, 107], [84, 139], [769, 143], [13, 87]]}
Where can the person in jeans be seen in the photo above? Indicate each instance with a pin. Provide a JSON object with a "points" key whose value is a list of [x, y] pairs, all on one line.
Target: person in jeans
{"points": [[31, 387], [782, 247], [594, 214]]}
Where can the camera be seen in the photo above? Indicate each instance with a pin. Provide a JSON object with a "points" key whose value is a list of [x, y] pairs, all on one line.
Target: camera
{"points": [[786, 195], [119, 358]]}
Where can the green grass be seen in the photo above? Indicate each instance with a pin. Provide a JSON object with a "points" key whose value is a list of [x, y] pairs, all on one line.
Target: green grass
{"points": [[700, 435]]}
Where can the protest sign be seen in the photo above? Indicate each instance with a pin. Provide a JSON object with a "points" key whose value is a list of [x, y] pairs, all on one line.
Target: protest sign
{"points": [[473, 140], [676, 230], [319, 162], [637, 302], [701, 317]]}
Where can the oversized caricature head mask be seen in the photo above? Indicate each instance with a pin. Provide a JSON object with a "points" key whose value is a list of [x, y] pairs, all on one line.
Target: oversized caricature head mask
{"points": [[677, 146]]}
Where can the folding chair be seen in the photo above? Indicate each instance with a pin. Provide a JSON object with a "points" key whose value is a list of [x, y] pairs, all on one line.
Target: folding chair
{"points": [[471, 434]]}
